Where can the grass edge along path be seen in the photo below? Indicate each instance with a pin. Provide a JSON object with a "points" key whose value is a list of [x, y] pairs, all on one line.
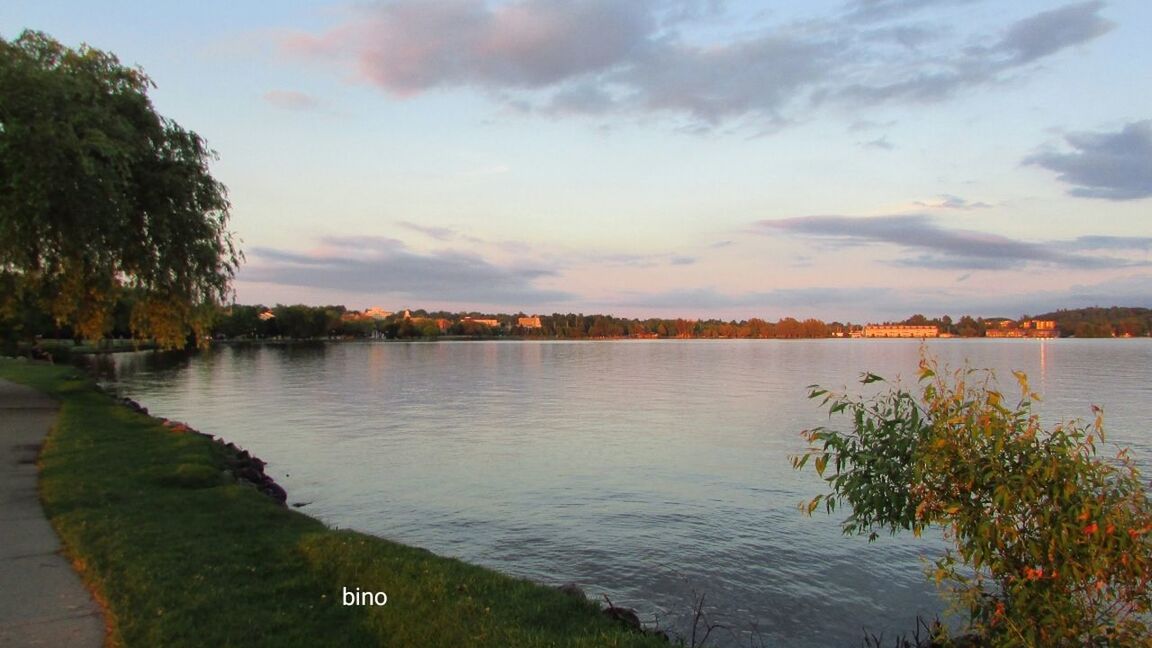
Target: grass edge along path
{"points": [[183, 555]]}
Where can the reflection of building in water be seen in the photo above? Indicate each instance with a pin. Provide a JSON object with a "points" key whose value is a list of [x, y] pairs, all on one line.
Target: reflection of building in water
{"points": [[1043, 367], [900, 331]]}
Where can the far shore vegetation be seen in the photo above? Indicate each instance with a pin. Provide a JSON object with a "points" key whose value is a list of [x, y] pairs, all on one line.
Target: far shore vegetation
{"points": [[32, 328], [181, 553]]}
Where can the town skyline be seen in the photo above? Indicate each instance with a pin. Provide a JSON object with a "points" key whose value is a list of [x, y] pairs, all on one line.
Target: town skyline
{"points": [[847, 159]]}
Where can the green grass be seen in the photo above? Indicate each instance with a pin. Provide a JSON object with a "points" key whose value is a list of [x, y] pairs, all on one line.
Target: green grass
{"points": [[181, 554]]}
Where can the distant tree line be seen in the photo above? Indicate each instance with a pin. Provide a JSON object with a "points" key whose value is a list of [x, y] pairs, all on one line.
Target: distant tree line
{"points": [[1116, 321], [300, 321], [1093, 322], [326, 321], [580, 326]]}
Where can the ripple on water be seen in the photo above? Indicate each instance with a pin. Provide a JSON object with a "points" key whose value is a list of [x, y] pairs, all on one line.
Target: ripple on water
{"points": [[650, 472]]}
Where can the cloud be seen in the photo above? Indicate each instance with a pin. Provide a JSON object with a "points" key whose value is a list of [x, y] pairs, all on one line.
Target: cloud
{"points": [[937, 247], [643, 57], [710, 299], [384, 266], [759, 75], [1142, 243], [877, 303], [880, 143], [944, 74], [1134, 290], [559, 257], [292, 100], [867, 124], [438, 233], [1113, 166], [566, 258], [1051, 31], [409, 46], [949, 201], [874, 10]]}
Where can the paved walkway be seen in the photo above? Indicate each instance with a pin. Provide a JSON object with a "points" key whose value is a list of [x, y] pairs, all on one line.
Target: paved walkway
{"points": [[42, 600]]}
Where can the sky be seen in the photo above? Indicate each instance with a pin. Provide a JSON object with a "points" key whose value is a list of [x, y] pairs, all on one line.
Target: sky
{"points": [[850, 160]]}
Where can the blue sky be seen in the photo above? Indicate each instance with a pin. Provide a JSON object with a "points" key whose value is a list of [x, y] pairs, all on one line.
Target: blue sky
{"points": [[852, 160]]}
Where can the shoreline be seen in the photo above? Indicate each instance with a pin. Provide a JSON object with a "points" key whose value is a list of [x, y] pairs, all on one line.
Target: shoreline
{"points": [[243, 465], [188, 542]]}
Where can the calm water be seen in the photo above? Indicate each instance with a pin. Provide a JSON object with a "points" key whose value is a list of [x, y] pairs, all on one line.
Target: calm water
{"points": [[647, 471]]}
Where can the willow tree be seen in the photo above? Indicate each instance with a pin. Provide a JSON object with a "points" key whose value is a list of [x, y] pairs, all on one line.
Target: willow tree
{"points": [[100, 196]]}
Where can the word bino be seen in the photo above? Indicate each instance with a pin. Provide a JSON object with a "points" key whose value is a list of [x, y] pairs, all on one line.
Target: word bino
{"points": [[358, 597]]}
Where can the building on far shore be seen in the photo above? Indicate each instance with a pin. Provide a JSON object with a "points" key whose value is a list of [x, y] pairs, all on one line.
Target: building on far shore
{"points": [[900, 331], [486, 322], [529, 322], [1041, 328], [1005, 332], [1025, 329]]}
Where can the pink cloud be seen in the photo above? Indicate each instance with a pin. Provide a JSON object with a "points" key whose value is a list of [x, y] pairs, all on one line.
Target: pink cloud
{"points": [[409, 46], [595, 56]]}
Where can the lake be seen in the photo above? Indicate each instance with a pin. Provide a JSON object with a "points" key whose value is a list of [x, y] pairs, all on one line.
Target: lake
{"points": [[652, 472]]}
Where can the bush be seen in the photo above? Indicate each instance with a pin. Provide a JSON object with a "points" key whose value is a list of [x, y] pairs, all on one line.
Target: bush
{"points": [[1052, 544]]}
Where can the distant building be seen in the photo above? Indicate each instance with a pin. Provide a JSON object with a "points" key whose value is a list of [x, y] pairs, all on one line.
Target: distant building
{"points": [[1005, 332], [266, 315], [416, 320], [1024, 329], [1041, 328], [529, 322], [900, 331], [486, 322], [378, 313]]}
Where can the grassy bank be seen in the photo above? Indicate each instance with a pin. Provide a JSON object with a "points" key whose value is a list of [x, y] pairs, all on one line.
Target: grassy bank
{"points": [[181, 554]]}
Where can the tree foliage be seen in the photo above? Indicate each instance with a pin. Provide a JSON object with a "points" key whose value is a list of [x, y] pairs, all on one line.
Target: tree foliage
{"points": [[1103, 322], [1052, 542], [100, 194]]}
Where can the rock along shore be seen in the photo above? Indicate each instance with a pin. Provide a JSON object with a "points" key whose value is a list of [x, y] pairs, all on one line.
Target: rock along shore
{"points": [[243, 465], [247, 468]]}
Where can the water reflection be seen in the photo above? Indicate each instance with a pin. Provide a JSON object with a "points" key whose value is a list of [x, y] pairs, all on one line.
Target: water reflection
{"points": [[111, 367], [641, 470]]}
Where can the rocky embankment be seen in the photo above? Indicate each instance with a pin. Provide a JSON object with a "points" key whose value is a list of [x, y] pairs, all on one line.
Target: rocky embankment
{"points": [[243, 466], [247, 468]]}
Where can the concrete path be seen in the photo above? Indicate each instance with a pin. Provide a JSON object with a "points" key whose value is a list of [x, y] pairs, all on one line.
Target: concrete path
{"points": [[42, 600]]}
